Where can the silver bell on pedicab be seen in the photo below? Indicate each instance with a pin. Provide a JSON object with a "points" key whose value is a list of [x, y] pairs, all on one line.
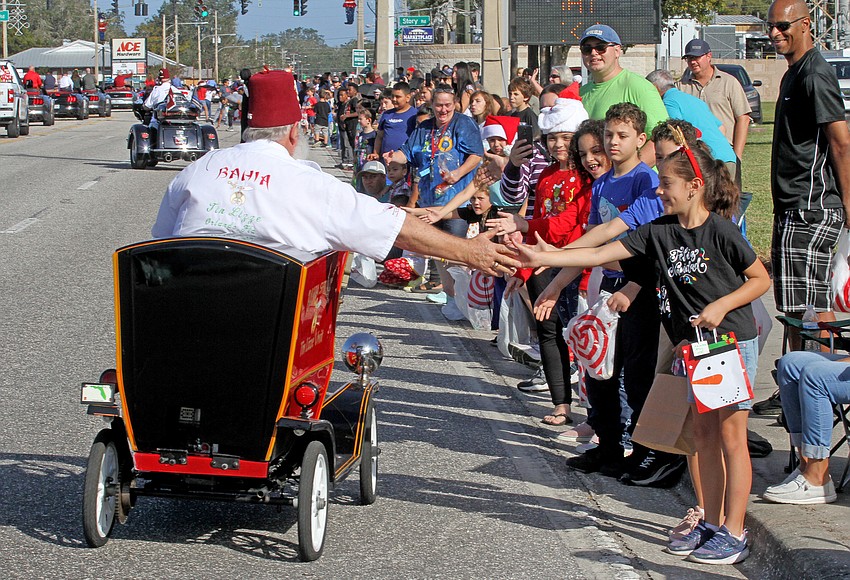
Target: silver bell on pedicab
{"points": [[363, 353]]}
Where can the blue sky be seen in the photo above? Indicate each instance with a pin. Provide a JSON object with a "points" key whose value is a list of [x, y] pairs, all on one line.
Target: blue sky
{"points": [[326, 16]]}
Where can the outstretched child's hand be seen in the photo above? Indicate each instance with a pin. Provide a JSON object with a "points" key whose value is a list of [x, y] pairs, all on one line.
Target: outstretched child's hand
{"points": [[513, 285], [521, 153], [711, 316], [546, 301], [506, 223]]}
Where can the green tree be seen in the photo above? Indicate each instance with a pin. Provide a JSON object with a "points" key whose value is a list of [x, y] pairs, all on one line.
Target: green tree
{"points": [[65, 20]]}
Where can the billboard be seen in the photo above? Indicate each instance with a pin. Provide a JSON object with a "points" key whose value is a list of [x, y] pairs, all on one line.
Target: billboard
{"points": [[420, 35], [554, 22], [129, 49]]}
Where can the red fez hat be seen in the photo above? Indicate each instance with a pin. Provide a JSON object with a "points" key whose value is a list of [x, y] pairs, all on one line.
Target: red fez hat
{"points": [[163, 73], [272, 100]]}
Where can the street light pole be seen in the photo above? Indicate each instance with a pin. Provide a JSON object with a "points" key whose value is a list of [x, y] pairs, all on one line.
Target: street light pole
{"points": [[176, 40]]}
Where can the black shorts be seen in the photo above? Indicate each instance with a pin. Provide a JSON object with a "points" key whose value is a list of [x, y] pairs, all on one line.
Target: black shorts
{"points": [[801, 252]]}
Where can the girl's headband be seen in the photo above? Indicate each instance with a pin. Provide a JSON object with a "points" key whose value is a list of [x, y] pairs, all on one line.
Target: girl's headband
{"points": [[679, 139]]}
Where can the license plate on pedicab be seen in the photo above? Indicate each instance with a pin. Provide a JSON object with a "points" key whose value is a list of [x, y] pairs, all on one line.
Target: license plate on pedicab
{"points": [[181, 140], [97, 394]]}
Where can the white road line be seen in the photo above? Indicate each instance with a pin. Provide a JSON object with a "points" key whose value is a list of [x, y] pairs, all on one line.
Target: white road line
{"points": [[87, 185], [20, 226]]}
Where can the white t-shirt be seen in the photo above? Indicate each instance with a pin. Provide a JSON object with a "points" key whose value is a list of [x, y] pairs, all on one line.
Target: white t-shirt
{"points": [[159, 94], [257, 192]]}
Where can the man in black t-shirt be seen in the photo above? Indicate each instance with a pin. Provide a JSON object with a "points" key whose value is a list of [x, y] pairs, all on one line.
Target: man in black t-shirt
{"points": [[810, 178], [349, 121]]}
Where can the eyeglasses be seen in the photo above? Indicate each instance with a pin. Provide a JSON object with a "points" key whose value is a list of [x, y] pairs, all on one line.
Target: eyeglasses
{"points": [[554, 76], [784, 25], [599, 48]]}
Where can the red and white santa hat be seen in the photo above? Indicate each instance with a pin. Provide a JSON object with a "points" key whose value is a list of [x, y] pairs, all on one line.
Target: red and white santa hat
{"points": [[273, 102], [564, 116], [500, 126]]}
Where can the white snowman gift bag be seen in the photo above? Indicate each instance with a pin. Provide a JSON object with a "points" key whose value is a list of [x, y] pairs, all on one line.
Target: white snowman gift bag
{"points": [[716, 372]]}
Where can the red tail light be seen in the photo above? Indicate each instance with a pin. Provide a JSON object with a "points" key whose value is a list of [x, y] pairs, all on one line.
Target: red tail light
{"points": [[145, 135], [306, 395], [94, 98], [211, 136], [38, 101], [72, 99], [10, 98], [109, 376]]}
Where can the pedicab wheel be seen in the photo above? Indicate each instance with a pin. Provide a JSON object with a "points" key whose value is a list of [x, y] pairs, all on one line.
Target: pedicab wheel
{"points": [[369, 459], [136, 161], [313, 502], [101, 502]]}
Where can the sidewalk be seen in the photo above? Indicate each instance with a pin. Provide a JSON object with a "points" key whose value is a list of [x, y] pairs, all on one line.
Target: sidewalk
{"points": [[788, 541]]}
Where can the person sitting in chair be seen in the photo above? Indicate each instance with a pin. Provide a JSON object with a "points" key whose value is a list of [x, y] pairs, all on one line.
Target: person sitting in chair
{"points": [[810, 383]]}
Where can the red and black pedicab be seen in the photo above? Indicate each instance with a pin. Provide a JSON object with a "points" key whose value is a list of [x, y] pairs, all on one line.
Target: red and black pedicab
{"points": [[221, 389]]}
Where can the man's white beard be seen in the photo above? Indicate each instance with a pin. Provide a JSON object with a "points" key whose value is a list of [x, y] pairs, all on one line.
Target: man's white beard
{"points": [[302, 149]]}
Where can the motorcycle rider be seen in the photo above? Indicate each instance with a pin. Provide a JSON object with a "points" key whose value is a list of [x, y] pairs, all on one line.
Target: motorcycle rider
{"points": [[158, 96]]}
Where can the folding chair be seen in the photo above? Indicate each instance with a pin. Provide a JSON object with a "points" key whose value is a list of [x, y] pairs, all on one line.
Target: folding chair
{"points": [[835, 341]]}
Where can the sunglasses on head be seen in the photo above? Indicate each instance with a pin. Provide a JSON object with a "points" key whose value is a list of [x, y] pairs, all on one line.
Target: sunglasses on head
{"points": [[784, 25], [599, 48]]}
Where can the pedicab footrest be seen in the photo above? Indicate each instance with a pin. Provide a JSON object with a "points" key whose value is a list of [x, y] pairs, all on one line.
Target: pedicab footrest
{"points": [[187, 464]]}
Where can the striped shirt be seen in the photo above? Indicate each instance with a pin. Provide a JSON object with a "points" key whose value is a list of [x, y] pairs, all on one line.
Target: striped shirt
{"points": [[519, 183]]}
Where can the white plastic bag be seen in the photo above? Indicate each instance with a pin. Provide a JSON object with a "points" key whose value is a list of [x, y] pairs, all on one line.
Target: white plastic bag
{"points": [[364, 271], [840, 279], [515, 324], [591, 336]]}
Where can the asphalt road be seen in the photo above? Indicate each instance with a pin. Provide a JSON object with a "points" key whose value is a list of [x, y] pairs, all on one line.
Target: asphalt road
{"points": [[471, 485]]}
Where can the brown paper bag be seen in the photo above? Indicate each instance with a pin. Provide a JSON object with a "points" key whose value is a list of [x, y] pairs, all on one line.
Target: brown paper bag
{"points": [[665, 422]]}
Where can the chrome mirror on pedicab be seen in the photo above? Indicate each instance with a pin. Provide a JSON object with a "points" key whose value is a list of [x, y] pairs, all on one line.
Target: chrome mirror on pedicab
{"points": [[363, 354]]}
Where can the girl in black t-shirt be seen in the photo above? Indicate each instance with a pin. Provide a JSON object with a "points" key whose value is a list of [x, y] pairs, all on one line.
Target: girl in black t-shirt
{"points": [[712, 274]]}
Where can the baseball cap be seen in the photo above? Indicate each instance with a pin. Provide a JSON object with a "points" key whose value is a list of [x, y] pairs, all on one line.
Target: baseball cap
{"points": [[602, 32], [373, 167], [696, 47]]}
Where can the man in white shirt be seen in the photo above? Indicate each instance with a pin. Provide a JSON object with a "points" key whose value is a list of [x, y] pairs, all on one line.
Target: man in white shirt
{"points": [[259, 191], [65, 82]]}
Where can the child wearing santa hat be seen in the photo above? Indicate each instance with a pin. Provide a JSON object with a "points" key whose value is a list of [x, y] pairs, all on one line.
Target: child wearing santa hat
{"points": [[561, 209]]}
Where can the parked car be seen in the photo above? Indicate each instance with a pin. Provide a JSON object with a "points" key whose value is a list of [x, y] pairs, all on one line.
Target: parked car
{"points": [[842, 71], [753, 96], [100, 103], [749, 86], [70, 104], [14, 108], [40, 107]]}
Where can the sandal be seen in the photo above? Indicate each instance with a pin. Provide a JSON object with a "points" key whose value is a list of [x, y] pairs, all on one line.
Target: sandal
{"points": [[557, 419], [427, 288]]}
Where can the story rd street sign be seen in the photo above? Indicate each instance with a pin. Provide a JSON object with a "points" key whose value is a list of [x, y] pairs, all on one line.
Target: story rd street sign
{"points": [[414, 21]]}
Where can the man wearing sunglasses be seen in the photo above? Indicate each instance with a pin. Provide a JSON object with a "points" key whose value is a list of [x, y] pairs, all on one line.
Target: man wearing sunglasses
{"points": [[723, 94], [611, 84], [810, 177]]}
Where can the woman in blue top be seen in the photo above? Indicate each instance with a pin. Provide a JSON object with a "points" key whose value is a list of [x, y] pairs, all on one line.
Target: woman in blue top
{"points": [[444, 151]]}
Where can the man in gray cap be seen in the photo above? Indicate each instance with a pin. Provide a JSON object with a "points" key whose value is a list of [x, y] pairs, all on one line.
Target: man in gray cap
{"points": [[611, 84], [722, 93]]}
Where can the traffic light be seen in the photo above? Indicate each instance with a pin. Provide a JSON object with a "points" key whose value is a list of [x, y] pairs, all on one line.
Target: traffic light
{"points": [[303, 7], [115, 7], [245, 7], [296, 7], [141, 8], [201, 10]]}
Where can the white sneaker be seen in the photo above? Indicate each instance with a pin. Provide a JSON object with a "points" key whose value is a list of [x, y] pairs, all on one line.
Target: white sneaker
{"points": [[451, 311], [787, 483], [800, 491]]}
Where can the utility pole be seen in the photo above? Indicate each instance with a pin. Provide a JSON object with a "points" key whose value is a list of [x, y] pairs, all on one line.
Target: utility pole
{"points": [[5, 41], [96, 42], [176, 39], [163, 41], [199, 53], [216, 40]]}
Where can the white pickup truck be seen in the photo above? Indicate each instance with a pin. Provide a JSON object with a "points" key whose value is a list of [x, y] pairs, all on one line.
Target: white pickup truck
{"points": [[13, 101]]}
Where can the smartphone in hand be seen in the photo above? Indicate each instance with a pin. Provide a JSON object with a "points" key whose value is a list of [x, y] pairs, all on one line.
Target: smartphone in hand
{"points": [[525, 132]]}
